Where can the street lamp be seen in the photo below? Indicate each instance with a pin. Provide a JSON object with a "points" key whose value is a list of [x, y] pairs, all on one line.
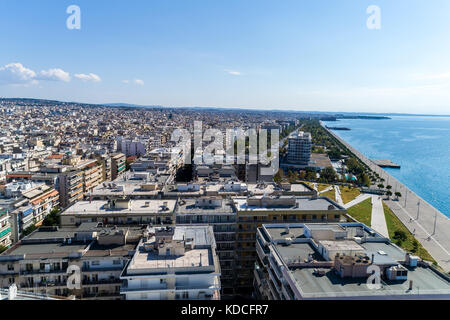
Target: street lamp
{"points": [[418, 209], [435, 220], [406, 196]]}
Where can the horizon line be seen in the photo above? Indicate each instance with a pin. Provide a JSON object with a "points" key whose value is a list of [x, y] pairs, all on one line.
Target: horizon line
{"points": [[272, 109]]}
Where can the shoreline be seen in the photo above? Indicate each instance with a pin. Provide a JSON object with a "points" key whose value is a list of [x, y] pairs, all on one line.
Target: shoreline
{"points": [[429, 225]]}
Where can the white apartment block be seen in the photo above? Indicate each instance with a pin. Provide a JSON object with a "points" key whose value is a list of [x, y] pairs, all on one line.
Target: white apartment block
{"points": [[174, 263]]}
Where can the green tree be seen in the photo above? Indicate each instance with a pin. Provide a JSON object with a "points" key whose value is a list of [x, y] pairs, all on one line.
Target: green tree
{"points": [[279, 176], [311, 176], [415, 245], [398, 195], [365, 180], [29, 230], [302, 175], [381, 186], [328, 175], [389, 193], [3, 249], [53, 218], [292, 176], [399, 237], [334, 153]]}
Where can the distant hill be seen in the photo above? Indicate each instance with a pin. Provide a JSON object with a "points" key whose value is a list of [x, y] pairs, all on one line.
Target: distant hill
{"points": [[328, 115]]}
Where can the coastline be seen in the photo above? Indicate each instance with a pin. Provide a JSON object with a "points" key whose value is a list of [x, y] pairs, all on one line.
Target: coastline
{"points": [[428, 224]]}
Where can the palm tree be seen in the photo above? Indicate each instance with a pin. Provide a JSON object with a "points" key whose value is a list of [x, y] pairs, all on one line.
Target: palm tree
{"points": [[389, 187], [398, 195], [389, 194], [381, 186]]}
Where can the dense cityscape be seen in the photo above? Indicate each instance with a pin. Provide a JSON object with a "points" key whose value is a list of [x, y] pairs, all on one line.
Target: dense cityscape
{"points": [[100, 202]]}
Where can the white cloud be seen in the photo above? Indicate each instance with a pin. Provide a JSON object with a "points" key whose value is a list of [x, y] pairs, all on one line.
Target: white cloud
{"points": [[138, 82], [88, 77], [54, 75], [16, 73], [233, 72]]}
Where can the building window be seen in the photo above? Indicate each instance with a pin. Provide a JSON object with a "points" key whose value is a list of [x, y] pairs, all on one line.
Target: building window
{"points": [[10, 267]]}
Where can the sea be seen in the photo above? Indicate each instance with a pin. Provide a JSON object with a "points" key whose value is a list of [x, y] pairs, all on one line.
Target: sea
{"points": [[420, 144]]}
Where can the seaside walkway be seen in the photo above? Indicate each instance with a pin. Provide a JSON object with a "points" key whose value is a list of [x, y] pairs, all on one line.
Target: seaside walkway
{"points": [[337, 195], [378, 218], [430, 226]]}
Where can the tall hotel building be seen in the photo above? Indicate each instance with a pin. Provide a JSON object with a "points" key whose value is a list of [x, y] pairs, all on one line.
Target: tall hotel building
{"points": [[299, 151]]}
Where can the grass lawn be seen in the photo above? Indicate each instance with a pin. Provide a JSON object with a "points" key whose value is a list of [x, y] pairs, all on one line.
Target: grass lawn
{"points": [[321, 186], [394, 224], [349, 193], [362, 212], [329, 194]]}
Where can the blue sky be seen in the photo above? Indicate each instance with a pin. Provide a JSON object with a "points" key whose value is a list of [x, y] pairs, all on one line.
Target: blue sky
{"points": [[288, 54]]}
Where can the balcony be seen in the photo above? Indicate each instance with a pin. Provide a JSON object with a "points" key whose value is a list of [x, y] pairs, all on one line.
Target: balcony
{"points": [[41, 271], [101, 282], [46, 284]]}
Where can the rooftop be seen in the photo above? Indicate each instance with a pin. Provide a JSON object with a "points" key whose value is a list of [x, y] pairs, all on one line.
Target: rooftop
{"points": [[302, 204], [187, 206], [100, 207], [198, 257]]}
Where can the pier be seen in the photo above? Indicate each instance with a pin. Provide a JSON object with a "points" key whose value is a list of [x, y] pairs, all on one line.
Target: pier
{"points": [[382, 163]]}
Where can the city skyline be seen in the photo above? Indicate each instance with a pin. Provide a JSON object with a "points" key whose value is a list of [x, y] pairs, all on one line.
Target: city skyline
{"points": [[300, 56]]}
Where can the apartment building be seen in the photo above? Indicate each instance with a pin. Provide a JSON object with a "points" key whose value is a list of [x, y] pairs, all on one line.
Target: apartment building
{"points": [[334, 261], [174, 263], [92, 174], [42, 262], [5, 228], [299, 148], [129, 147], [118, 165], [28, 205], [70, 185], [120, 212], [221, 215], [254, 211]]}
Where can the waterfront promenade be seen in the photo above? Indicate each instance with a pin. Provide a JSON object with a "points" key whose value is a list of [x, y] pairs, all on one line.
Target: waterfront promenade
{"points": [[430, 226]]}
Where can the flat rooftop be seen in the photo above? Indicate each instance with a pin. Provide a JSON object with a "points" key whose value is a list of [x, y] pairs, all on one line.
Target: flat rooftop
{"points": [[198, 259], [298, 252], [100, 207], [191, 259], [425, 281], [187, 206], [302, 204], [280, 233], [320, 160], [129, 188], [47, 250]]}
